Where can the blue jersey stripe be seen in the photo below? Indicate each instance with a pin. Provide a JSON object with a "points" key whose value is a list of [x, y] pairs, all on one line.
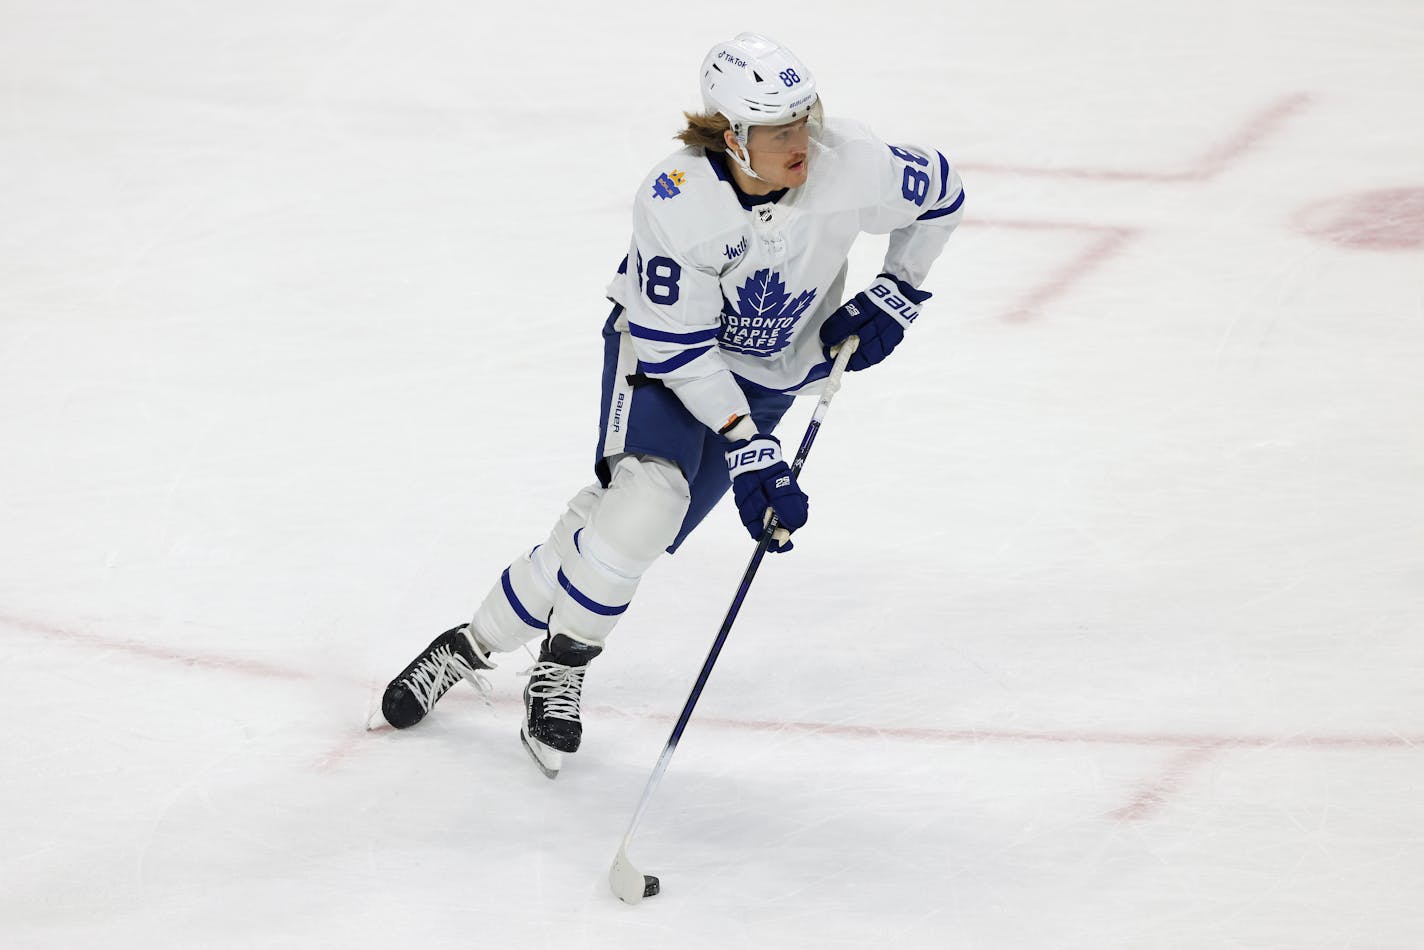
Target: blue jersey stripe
{"points": [[519, 608], [667, 366], [586, 602], [943, 177], [941, 212], [819, 371], [663, 336]]}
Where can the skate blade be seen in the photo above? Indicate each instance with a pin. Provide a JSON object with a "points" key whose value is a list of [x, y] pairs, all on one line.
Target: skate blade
{"points": [[547, 760]]}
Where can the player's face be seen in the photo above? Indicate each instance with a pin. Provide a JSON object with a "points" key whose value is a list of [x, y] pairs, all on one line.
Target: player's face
{"points": [[778, 153]]}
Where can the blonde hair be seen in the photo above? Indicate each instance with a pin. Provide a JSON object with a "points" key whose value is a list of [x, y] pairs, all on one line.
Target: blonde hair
{"points": [[704, 130]]}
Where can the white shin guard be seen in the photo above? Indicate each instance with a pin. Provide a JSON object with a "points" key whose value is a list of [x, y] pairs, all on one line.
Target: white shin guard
{"points": [[516, 609], [588, 570], [636, 519]]}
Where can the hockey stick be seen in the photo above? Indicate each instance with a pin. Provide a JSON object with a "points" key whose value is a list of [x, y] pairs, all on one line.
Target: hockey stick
{"points": [[628, 883]]}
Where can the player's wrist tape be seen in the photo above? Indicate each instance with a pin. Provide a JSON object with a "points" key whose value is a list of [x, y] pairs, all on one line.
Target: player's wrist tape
{"points": [[753, 455], [738, 429]]}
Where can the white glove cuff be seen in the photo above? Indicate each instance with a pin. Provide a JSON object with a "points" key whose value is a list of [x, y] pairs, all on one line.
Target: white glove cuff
{"points": [[886, 295], [759, 453]]}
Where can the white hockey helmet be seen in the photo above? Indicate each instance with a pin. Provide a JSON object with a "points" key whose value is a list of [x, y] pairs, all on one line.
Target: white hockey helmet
{"points": [[754, 80]]}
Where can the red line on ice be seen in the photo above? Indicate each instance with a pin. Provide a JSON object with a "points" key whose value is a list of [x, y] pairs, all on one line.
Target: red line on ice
{"points": [[1088, 737], [1107, 242], [1208, 165], [347, 747], [1152, 797], [149, 651]]}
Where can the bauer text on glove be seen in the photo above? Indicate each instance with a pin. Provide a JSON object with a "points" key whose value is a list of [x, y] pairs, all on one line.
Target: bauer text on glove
{"points": [[762, 480], [879, 315]]}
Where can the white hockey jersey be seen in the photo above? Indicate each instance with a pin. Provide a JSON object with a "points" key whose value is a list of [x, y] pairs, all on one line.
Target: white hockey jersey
{"points": [[717, 283]]}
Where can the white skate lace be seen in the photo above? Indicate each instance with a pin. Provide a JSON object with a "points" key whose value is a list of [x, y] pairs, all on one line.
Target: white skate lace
{"points": [[438, 672], [558, 686]]}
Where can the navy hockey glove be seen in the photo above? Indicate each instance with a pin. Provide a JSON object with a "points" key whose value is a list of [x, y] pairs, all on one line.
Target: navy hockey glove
{"points": [[762, 480], [879, 315]]}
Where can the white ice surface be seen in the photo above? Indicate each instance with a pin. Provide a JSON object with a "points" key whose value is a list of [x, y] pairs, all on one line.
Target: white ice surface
{"points": [[1105, 632]]}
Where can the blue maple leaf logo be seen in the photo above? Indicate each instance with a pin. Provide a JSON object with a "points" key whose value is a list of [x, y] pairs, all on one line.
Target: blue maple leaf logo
{"points": [[764, 295], [765, 316]]}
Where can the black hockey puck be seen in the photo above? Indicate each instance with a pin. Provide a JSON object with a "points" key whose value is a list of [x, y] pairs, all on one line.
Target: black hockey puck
{"points": [[651, 886]]}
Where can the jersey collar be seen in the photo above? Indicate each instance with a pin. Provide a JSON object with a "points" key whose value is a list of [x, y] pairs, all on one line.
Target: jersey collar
{"points": [[748, 202]]}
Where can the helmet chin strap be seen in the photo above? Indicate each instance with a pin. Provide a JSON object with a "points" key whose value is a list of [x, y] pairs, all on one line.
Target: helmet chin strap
{"points": [[743, 157]]}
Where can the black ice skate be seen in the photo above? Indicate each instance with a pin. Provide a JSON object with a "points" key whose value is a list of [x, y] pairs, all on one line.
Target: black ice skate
{"points": [[551, 701], [451, 657]]}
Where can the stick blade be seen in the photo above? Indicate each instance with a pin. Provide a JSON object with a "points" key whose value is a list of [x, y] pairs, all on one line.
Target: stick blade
{"points": [[629, 884]]}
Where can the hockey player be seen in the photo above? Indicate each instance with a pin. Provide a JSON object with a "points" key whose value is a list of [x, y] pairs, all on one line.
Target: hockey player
{"points": [[725, 309]]}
